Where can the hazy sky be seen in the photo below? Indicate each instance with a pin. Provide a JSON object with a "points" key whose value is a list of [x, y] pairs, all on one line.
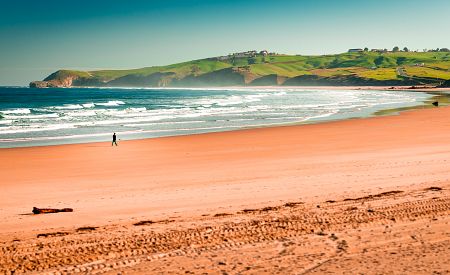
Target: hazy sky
{"points": [[39, 37]]}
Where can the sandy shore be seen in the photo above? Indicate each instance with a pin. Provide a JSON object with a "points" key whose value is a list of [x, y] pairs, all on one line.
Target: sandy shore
{"points": [[262, 192]]}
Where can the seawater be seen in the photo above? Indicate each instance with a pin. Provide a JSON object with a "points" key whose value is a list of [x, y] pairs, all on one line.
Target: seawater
{"points": [[33, 117]]}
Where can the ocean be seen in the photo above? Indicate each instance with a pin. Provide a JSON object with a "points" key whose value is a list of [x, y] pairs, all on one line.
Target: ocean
{"points": [[35, 117]]}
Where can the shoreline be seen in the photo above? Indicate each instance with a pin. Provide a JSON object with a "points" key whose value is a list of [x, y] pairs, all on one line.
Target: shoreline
{"points": [[380, 88], [434, 94], [72, 168], [353, 191]]}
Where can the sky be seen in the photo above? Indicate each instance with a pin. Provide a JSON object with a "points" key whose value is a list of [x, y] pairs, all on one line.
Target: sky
{"points": [[40, 37]]}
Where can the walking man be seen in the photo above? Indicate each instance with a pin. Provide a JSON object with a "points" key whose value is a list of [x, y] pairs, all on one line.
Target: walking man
{"points": [[114, 140]]}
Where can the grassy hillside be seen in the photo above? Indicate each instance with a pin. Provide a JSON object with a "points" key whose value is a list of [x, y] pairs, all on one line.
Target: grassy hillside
{"points": [[365, 68]]}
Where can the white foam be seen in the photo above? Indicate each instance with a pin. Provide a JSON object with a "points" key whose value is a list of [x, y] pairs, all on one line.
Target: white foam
{"points": [[81, 114], [164, 123], [215, 112], [139, 109], [34, 128], [110, 103], [88, 105], [52, 115], [68, 107], [3, 121], [321, 115], [17, 111]]}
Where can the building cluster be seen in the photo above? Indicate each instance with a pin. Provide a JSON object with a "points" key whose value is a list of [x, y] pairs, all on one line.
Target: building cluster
{"points": [[358, 50], [245, 54], [395, 49]]}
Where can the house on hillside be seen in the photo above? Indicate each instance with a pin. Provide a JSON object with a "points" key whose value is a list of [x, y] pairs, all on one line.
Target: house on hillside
{"points": [[223, 58], [245, 54], [355, 50], [378, 50]]}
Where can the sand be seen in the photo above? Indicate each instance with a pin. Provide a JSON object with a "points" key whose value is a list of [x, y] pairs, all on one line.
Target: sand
{"points": [[348, 196]]}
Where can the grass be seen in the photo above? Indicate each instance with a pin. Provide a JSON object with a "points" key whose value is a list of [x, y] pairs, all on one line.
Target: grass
{"points": [[61, 74], [379, 74], [369, 65], [181, 69], [427, 72], [337, 71], [281, 69]]}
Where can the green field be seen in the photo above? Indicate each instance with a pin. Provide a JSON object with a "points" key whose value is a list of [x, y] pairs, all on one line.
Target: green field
{"points": [[367, 68]]}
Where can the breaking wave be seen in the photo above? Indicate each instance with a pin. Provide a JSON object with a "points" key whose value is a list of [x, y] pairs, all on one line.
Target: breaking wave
{"points": [[90, 115]]}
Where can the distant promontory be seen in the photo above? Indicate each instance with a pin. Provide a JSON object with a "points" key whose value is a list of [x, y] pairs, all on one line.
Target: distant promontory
{"points": [[357, 67]]}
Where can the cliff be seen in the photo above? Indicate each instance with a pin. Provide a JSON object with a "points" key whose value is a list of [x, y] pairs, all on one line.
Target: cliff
{"points": [[262, 69]]}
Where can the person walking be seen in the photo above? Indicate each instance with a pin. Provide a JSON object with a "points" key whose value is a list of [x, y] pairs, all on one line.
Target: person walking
{"points": [[114, 140]]}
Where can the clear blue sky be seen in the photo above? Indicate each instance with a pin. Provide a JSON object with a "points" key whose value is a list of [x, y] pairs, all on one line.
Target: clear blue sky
{"points": [[39, 37]]}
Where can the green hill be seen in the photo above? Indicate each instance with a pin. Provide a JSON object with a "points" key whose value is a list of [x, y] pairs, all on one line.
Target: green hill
{"points": [[252, 68]]}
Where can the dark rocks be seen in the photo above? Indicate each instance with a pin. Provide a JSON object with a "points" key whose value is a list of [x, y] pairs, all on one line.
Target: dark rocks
{"points": [[39, 84], [50, 210], [446, 84]]}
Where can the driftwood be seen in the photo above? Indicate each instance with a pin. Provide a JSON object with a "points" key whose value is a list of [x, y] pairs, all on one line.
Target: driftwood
{"points": [[50, 210]]}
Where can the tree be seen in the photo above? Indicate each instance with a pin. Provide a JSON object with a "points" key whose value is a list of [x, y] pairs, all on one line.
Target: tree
{"points": [[405, 49], [366, 49], [395, 49]]}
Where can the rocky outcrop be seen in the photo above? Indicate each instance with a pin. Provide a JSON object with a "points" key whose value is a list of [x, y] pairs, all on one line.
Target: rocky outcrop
{"points": [[66, 78], [39, 84]]}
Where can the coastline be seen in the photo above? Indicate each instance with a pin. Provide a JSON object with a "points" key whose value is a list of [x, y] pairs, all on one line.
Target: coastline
{"points": [[78, 163], [142, 134], [379, 167], [381, 88]]}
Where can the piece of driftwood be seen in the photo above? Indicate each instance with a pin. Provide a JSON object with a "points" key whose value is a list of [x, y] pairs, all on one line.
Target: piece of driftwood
{"points": [[50, 210]]}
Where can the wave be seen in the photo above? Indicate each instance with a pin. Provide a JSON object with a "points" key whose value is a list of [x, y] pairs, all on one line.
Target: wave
{"points": [[81, 114], [190, 112], [34, 128], [111, 103], [17, 111], [52, 115], [3, 121], [88, 105], [322, 115], [165, 123], [139, 109], [231, 100], [68, 107]]}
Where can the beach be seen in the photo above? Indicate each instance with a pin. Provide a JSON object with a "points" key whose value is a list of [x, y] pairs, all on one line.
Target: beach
{"points": [[85, 115], [367, 195]]}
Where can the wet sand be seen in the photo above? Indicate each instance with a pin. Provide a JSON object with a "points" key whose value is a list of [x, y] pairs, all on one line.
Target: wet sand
{"points": [[338, 196]]}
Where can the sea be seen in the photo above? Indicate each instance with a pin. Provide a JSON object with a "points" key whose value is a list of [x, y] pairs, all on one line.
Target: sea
{"points": [[37, 117]]}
